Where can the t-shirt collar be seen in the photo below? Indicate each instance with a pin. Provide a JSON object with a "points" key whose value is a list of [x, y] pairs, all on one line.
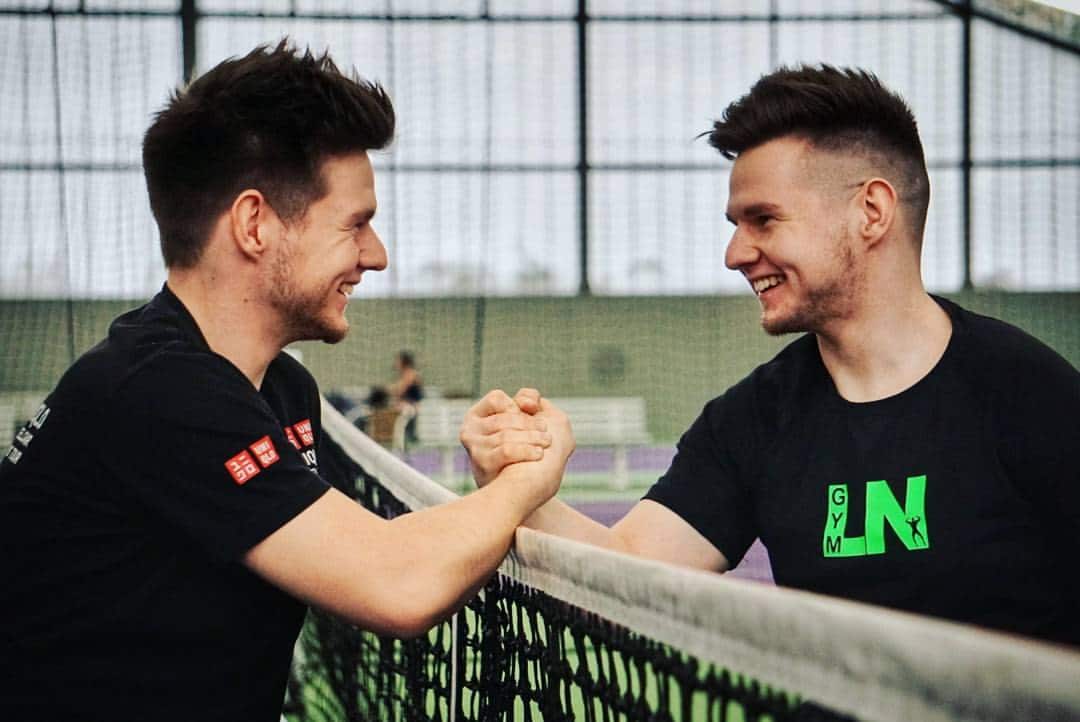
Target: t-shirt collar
{"points": [[185, 321]]}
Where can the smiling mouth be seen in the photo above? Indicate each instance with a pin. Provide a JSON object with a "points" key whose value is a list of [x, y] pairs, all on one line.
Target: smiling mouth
{"points": [[763, 284], [346, 289]]}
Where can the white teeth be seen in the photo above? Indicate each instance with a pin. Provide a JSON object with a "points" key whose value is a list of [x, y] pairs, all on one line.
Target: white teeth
{"points": [[346, 289], [763, 284]]}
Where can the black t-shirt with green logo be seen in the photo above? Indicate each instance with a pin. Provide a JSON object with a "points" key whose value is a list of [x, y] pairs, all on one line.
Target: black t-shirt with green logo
{"points": [[126, 504], [959, 497]]}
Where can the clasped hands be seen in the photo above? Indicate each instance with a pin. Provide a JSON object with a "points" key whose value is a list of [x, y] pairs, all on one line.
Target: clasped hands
{"points": [[499, 431]]}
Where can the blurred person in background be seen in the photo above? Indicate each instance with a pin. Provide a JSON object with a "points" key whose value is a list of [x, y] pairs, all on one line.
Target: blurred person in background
{"points": [[407, 391]]}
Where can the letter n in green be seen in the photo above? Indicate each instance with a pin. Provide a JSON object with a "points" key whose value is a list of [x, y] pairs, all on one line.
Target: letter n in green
{"points": [[909, 523]]}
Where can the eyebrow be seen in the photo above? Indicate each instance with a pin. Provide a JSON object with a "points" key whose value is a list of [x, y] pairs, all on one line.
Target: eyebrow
{"points": [[754, 209], [362, 216]]}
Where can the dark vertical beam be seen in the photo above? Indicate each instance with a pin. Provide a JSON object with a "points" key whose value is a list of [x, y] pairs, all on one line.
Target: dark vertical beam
{"points": [[965, 125], [188, 26], [583, 147]]}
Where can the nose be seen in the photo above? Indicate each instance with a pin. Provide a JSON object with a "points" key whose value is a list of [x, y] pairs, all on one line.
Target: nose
{"points": [[741, 251], [372, 252]]}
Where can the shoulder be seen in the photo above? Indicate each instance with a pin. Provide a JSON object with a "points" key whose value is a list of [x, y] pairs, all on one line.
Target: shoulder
{"points": [[160, 367], [795, 370], [993, 350], [137, 340], [770, 396]]}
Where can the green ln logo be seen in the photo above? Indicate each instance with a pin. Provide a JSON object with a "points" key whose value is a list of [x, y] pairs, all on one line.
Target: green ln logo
{"points": [[908, 522]]}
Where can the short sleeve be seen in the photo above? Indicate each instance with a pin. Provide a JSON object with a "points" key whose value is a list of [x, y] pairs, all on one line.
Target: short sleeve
{"points": [[705, 485], [201, 451]]}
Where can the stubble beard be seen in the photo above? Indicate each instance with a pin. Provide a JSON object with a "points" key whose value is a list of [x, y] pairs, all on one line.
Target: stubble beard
{"points": [[831, 300], [303, 312]]}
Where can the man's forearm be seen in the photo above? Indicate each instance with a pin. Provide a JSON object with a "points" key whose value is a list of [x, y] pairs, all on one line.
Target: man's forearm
{"points": [[453, 549], [558, 518]]}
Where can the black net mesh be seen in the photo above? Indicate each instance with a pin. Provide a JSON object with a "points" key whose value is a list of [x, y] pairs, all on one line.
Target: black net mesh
{"points": [[513, 653], [508, 190]]}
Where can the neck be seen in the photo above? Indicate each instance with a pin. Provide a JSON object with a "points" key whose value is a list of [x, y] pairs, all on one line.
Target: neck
{"points": [[891, 343], [234, 324]]}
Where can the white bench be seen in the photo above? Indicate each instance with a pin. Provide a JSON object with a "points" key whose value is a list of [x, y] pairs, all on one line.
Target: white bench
{"points": [[616, 422]]}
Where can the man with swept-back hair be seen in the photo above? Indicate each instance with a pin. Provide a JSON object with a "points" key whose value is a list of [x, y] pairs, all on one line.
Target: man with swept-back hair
{"points": [[162, 520], [903, 451]]}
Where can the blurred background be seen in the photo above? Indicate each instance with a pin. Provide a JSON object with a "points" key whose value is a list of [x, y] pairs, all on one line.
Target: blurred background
{"points": [[551, 215]]}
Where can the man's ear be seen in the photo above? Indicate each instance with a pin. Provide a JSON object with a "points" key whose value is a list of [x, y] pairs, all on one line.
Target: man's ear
{"points": [[253, 223], [877, 203]]}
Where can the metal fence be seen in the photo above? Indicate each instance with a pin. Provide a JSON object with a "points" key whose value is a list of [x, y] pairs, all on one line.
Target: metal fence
{"points": [[546, 147]]}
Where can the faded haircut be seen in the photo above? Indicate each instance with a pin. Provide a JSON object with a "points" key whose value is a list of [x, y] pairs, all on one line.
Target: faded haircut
{"points": [[839, 110]]}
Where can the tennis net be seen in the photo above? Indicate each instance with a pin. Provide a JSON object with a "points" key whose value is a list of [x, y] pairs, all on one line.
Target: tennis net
{"points": [[569, 632]]}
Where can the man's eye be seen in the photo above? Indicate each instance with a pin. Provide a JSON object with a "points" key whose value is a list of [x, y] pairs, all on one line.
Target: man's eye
{"points": [[763, 220]]}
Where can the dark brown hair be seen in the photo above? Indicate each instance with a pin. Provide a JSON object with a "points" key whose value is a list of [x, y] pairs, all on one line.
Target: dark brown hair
{"points": [[835, 109], [267, 121]]}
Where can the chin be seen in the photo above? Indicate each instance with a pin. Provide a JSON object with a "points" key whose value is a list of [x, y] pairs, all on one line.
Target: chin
{"points": [[334, 333], [322, 329], [782, 325], [780, 329], [335, 337]]}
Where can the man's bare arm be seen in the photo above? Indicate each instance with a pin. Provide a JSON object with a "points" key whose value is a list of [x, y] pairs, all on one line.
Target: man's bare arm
{"points": [[402, 576], [649, 530]]}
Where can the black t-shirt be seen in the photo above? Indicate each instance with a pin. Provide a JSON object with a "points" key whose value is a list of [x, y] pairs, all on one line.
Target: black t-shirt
{"points": [[125, 507], [959, 497]]}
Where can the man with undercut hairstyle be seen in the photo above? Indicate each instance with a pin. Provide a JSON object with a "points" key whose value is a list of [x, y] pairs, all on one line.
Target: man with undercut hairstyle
{"points": [[162, 520], [903, 451]]}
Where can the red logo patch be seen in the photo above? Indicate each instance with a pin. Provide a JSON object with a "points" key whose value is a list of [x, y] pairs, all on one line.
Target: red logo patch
{"points": [[242, 467], [303, 430], [264, 451], [292, 437]]}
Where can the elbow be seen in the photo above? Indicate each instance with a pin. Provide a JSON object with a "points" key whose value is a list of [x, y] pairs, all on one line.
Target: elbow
{"points": [[409, 622], [412, 623], [400, 612], [414, 628], [390, 622]]}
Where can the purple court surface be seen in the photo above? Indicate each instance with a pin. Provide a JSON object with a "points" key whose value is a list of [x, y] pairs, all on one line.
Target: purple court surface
{"points": [[641, 460], [584, 460], [755, 565]]}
